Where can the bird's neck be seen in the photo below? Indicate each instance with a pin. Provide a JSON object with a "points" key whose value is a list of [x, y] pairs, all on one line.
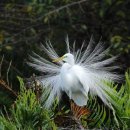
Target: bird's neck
{"points": [[71, 62], [65, 67]]}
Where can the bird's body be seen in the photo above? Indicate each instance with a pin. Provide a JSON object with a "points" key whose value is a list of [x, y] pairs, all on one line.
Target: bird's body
{"points": [[77, 73], [72, 85]]}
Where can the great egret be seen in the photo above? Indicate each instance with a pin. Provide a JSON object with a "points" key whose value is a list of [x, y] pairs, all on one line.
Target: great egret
{"points": [[77, 73]]}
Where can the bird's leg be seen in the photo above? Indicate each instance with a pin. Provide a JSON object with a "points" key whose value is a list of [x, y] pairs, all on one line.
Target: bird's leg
{"points": [[78, 111]]}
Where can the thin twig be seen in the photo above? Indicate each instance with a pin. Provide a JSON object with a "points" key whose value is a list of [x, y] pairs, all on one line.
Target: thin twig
{"points": [[1, 65], [4, 85], [8, 72], [7, 115], [14, 68], [61, 8]]}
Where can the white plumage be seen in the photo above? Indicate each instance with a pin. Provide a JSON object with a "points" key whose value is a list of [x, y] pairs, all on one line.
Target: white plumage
{"points": [[77, 73]]}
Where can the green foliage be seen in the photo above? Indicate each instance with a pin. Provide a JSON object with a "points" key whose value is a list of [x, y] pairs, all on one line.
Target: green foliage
{"points": [[124, 102], [101, 116], [6, 124], [98, 114], [27, 113]]}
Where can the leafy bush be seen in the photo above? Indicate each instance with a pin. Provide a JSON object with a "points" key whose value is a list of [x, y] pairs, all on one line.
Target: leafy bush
{"points": [[27, 113]]}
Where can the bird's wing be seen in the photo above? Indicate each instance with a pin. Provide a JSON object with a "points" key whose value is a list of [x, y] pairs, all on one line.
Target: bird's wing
{"points": [[43, 65], [94, 57], [51, 81], [94, 84], [81, 95], [97, 70], [49, 50], [80, 73], [53, 88]]}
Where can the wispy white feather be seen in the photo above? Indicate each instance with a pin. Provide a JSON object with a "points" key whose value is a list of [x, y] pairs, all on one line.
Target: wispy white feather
{"points": [[90, 68], [49, 50], [67, 44]]}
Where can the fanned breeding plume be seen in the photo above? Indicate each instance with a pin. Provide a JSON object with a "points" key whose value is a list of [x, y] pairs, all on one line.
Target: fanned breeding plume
{"points": [[78, 73]]}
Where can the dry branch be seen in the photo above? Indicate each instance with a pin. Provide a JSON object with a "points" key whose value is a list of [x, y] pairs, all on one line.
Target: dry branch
{"points": [[7, 87]]}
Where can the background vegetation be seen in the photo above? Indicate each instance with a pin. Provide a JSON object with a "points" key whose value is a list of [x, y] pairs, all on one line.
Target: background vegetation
{"points": [[24, 24]]}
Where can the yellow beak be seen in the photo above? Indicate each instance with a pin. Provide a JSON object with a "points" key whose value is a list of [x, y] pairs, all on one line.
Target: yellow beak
{"points": [[58, 59]]}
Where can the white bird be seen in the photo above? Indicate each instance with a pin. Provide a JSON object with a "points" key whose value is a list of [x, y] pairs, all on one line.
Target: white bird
{"points": [[77, 73]]}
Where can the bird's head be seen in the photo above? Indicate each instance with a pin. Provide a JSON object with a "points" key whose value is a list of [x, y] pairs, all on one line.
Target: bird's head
{"points": [[67, 58]]}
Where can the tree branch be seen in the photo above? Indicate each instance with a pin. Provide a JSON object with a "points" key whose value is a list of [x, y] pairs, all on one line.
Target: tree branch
{"points": [[47, 14]]}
